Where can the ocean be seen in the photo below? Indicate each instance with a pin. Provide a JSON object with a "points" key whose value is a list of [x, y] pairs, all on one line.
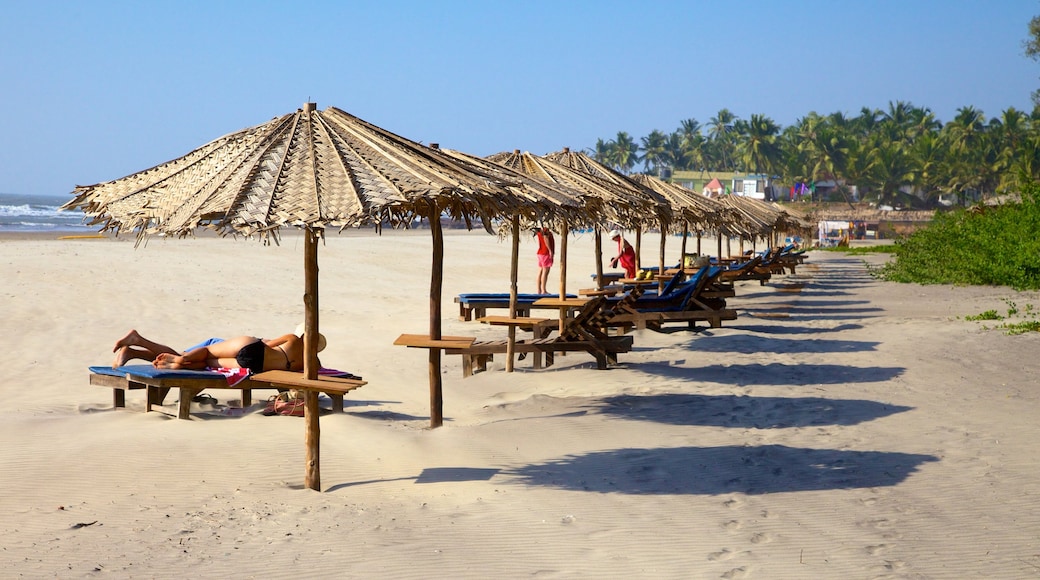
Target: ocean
{"points": [[39, 213]]}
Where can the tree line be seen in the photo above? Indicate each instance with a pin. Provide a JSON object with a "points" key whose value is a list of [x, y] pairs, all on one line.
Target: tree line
{"points": [[879, 151]]}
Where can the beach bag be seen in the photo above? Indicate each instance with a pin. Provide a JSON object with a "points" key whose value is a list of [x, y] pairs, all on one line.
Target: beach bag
{"points": [[285, 403]]}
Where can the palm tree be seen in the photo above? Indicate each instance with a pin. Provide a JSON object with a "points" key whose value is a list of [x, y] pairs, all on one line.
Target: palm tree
{"points": [[677, 154], [654, 150], [624, 152], [928, 153], [688, 128], [891, 168], [601, 152], [758, 148], [720, 128]]}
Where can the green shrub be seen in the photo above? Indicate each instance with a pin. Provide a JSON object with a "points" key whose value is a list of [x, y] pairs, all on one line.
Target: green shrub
{"points": [[997, 246]]}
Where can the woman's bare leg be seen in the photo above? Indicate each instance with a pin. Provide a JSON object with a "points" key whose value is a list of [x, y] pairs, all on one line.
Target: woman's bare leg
{"points": [[132, 338], [129, 353], [195, 359]]}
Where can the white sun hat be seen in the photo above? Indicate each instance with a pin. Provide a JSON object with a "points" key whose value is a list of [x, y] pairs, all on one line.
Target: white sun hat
{"points": [[322, 343]]}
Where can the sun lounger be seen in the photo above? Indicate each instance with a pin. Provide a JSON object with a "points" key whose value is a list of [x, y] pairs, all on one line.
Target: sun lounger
{"points": [[747, 270], [158, 382], [687, 303], [475, 305], [582, 333]]}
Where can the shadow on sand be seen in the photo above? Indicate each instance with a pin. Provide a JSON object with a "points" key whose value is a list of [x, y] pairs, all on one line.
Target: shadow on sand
{"points": [[774, 374], [719, 470], [740, 411], [746, 344], [785, 329]]}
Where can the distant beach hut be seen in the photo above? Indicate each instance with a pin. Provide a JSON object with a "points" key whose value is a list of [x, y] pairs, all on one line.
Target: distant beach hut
{"points": [[714, 188]]}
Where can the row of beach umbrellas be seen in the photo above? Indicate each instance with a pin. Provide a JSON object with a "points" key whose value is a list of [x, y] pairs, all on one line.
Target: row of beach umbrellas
{"points": [[315, 170]]}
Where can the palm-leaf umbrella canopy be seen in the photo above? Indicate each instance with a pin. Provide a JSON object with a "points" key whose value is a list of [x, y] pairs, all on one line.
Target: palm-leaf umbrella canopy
{"points": [[763, 216], [311, 170], [696, 210], [546, 200], [600, 199], [307, 169], [646, 206], [637, 205]]}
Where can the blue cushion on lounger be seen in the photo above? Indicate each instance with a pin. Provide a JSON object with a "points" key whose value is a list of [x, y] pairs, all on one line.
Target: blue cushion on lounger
{"points": [[151, 372]]}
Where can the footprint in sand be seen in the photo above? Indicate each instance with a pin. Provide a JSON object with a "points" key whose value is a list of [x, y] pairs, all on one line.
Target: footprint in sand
{"points": [[880, 524], [736, 573], [762, 538], [878, 549], [724, 554], [733, 525], [732, 503]]}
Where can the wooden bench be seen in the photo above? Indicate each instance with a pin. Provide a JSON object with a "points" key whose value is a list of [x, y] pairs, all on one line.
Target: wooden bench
{"points": [[157, 383], [582, 333], [476, 355]]}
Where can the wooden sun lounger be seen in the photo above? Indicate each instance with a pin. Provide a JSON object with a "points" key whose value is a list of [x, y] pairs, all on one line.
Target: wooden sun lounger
{"points": [[699, 302], [473, 306], [158, 382], [583, 333], [749, 270]]}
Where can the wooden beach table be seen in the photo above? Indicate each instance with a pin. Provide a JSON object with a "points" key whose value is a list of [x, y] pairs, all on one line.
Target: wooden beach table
{"points": [[611, 290], [539, 327], [565, 305]]}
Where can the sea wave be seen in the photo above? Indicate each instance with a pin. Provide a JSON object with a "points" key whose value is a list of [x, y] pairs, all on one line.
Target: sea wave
{"points": [[25, 213]]}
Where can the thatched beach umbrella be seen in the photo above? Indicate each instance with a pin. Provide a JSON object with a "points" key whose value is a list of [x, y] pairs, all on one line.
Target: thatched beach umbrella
{"points": [[309, 170], [599, 200], [546, 201], [689, 208], [639, 206]]}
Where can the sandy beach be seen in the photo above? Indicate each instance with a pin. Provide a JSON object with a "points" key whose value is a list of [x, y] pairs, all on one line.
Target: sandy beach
{"points": [[841, 427]]}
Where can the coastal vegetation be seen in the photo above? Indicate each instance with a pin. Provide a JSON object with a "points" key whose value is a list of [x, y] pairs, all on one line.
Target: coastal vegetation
{"points": [[984, 245], [884, 153], [1017, 321]]}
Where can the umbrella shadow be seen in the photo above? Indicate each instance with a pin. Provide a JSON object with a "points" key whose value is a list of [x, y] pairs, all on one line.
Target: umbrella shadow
{"points": [[741, 411], [774, 374], [786, 329], [750, 344], [751, 470], [432, 475]]}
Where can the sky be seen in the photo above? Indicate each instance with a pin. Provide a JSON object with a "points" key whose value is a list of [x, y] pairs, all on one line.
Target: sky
{"points": [[94, 90]]}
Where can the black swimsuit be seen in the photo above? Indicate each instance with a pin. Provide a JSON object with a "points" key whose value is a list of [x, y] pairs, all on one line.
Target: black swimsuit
{"points": [[252, 356]]}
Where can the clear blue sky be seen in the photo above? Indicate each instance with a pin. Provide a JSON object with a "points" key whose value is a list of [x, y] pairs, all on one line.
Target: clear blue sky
{"points": [[95, 90]]}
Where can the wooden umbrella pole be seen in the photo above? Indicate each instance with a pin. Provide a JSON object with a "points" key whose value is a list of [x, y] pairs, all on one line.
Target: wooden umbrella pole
{"points": [[660, 267], [720, 246], [513, 275], [639, 247], [599, 258], [436, 278], [311, 412], [682, 251], [564, 230], [310, 303]]}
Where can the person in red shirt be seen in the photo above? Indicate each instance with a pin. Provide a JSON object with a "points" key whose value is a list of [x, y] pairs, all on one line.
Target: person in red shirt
{"points": [[626, 255], [546, 252]]}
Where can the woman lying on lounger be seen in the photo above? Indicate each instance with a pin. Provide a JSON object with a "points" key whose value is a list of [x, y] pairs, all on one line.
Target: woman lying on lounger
{"points": [[255, 354]]}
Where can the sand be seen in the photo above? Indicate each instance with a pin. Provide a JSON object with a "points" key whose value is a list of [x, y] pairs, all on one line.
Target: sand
{"points": [[841, 427]]}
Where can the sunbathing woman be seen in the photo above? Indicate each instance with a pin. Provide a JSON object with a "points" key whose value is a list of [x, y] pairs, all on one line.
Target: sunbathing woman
{"points": [[258, 355]]}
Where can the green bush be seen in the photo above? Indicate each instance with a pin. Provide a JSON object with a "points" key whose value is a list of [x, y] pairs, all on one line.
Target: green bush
{"points": [[997, 246]]}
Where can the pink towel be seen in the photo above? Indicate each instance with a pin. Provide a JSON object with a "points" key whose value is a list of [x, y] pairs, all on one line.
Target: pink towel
{"points": [[233, 375]]}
